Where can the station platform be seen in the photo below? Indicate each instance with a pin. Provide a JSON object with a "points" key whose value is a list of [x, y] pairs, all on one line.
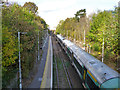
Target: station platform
{"points": [[48, 70], [36, 82]]}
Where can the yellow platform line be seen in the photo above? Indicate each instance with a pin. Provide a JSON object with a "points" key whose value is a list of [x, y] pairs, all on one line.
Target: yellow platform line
{"points": [[43, 83]]}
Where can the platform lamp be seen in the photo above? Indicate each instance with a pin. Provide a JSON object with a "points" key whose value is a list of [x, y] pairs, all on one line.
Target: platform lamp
{"points": [[20, 75]]}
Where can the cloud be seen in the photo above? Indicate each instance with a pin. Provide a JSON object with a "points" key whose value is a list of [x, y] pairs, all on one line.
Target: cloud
{"points": [[47, 11], [22, 2], [55, 10], [55, 5]]}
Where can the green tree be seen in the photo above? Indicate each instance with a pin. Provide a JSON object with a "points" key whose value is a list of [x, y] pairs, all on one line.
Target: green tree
{"points": [[104, 25], [81, 13], [31, 6], [9, 49], [16, 19]]}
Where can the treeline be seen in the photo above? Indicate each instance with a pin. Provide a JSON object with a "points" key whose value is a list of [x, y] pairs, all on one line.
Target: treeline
{"points": [[16, 18], [96, 28], [73, 28]]}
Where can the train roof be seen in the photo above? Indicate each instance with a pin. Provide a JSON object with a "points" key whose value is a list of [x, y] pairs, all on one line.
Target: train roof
{"points": [[99, 70], [68, 43], [60, 37]]}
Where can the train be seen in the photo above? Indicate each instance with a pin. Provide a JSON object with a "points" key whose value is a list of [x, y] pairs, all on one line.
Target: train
{"points": [[92, 71]]}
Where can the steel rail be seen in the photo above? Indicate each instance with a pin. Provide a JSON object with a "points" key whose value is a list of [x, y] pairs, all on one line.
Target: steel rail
{"points": [[65, 70]]}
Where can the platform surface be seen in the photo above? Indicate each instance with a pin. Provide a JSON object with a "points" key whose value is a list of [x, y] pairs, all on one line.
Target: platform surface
{"points": [[48, 71], [39, 76]]}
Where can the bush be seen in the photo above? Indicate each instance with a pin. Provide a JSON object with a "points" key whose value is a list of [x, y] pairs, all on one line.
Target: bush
{"points": [[96, 47]]}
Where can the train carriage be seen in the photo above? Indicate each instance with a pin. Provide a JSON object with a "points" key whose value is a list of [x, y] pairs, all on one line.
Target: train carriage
{"points": [[93, 72]]}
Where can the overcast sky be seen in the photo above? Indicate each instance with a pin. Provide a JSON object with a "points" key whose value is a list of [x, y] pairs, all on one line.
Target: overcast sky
{"points": [[52, 11]]}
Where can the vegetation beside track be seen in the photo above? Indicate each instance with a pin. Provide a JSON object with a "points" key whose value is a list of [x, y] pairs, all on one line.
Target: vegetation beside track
{"points": [[91, 30], [16, 18]]}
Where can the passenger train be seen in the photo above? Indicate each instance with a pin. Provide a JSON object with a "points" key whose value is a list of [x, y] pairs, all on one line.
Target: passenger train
{"points": [[93, 72]]}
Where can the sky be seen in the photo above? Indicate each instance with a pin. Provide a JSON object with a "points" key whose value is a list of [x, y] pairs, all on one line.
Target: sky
{"points": [[52, 11]]}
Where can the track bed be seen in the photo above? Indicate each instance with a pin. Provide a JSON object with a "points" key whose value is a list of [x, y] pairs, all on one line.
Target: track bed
{"points": [[65, 76]]}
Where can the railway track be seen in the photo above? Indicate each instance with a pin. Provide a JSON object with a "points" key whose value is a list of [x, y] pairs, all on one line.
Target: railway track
{"points": [[65, 70], [58, 58], [64, 77], [56, 72], [67, 73]]}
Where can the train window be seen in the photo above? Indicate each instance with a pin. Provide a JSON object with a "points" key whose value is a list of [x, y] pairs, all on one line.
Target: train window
{"points": [[78, 66], [68, 50], [64, 45], [90, 83]]}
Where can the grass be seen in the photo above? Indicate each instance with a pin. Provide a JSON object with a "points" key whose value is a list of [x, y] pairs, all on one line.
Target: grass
{"points": [[61, 74], [7, 76], [67, 64], [54, 73]]}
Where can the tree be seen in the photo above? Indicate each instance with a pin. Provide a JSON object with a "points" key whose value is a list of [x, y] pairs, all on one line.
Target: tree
{"points": [[31, 6], [16, 19], [81, 13], [104, 25], [9, 49]]}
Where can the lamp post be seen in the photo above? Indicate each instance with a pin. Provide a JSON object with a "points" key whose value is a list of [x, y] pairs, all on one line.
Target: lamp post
{"points": [[38, 47], [20, 75], [67, 34], [74, 37], [103, 48], [84, 39]]}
